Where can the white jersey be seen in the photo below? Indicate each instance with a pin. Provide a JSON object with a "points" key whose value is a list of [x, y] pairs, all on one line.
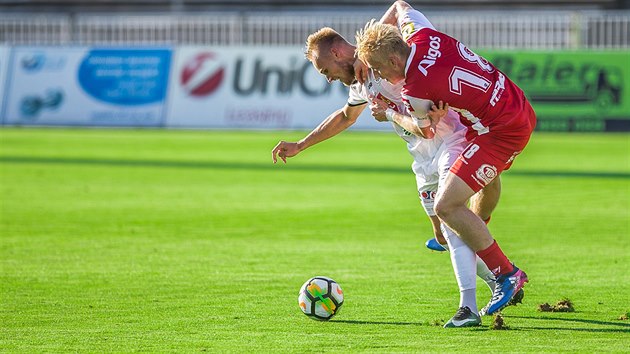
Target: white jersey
{"points": [[425, 152]]}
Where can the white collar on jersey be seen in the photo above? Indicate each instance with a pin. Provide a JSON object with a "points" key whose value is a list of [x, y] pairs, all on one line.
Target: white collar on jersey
{"points": [[410, 58]]}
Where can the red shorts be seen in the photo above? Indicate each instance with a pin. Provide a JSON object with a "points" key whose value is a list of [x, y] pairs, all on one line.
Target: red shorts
{"points": [[491, 153]]}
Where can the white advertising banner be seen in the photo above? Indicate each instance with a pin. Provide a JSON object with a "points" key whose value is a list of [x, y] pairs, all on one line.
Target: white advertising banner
{"points": [[87, 86], [252, 87], [4, 64]]}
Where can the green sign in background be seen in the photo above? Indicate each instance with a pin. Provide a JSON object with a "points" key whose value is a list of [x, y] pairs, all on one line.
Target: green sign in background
{"points": [[572, 90]]}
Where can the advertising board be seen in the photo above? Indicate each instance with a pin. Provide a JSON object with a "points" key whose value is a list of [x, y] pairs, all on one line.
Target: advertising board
{"points": [[87, 86], [252, 87], [572, 90], [4, 63]]}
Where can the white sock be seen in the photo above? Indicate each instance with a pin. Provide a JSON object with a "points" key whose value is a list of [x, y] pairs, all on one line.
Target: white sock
{"points": [[484, 273], [468, 298], [463, 260]]}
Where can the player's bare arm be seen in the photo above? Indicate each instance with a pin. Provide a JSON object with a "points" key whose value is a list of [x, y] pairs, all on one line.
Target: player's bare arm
{"points": [[334, 124], [391, 15], [418, 127]]}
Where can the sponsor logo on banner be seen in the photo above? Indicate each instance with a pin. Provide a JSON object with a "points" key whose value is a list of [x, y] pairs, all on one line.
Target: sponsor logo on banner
{"points": [[572, 90], [125, 77], [39, 61], [32, 105], [252, 87], [256, 76], [202, 74]]}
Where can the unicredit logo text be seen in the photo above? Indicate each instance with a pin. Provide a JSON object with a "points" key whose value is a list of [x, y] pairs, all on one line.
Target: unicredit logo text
{"points": [[254, 76]]}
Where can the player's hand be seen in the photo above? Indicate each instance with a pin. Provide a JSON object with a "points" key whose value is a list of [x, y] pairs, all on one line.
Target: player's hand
{"points": [[378, 108], [360, 71], [438, 112], [283, 150]]}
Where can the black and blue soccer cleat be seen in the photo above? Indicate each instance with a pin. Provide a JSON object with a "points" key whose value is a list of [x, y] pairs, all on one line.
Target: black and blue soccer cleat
{"points": [[508, 286]]}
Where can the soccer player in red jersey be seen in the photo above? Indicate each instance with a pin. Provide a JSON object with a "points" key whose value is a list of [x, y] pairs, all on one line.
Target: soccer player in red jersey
{"points": [[437, 67]]}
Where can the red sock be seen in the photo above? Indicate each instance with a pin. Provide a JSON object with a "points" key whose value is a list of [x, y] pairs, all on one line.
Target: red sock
{"points": [[496, 260]]}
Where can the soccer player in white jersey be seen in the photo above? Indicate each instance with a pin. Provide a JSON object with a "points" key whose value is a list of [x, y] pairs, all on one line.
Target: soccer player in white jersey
{"points": [[435, 66], [333, 57]]}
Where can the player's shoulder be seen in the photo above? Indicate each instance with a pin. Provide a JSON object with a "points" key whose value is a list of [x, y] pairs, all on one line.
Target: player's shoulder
{"points": [[425, 36], [412, 21], [357, 88], [357, 94]]}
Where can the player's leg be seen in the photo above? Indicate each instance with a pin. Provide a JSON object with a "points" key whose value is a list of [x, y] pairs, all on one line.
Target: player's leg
{"points": [[427, 184], [437, 242], [462, 257], [482, 270], [483, 204], [463, 260], [480, 163], [467, 295], [451, 208], [485, 201]]}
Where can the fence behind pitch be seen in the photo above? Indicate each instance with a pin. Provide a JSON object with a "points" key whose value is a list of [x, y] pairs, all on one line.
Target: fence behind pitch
{"points": [[490, 30]]}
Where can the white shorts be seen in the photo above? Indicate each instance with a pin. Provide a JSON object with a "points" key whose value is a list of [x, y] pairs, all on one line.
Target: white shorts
{"points": [[430, 174]]}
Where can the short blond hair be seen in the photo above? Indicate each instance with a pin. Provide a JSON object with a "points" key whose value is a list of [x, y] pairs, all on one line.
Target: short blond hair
{"points": [[319, 41], [376, 40]]}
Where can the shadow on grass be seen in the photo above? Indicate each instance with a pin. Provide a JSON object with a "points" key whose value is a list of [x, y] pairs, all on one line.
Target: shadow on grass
{"points": [[395, 323], [269, 166], [625, 327]]}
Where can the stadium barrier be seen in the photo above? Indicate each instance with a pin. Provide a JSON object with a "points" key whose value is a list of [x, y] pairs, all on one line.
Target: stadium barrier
{"points": [[259, 87], [478, 29]]}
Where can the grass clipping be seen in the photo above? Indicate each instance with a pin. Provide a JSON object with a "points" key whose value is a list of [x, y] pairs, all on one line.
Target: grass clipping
{"points": [[499, 323], [564, 305]]}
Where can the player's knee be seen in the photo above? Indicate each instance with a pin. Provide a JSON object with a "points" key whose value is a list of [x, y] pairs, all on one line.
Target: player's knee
{"points": [[446, 207], [443, 208]]}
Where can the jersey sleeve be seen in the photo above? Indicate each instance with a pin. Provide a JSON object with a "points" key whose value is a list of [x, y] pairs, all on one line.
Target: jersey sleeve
{"points": [[417, 107], [411, 22], [357, 95]]}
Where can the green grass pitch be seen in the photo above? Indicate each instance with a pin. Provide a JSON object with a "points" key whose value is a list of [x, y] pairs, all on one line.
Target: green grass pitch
{"points": [[191, 241]]}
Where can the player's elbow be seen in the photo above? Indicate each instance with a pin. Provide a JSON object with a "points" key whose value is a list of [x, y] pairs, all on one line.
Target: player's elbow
{"points": [[401, 6], [347, 119]]}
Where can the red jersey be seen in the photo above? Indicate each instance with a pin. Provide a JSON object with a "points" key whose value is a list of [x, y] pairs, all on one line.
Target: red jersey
{"points": [[441, 68]]}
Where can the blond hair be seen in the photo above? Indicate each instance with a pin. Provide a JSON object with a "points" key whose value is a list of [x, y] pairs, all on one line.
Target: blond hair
{"points": [[319, 41], [377, 40]]}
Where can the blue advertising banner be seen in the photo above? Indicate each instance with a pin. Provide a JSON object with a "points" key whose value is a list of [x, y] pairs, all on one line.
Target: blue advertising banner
{"points": [[4, 64], [88, 86], [125, 77]]}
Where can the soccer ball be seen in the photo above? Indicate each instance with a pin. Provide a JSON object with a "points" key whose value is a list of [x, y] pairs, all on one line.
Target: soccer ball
{"points": [[320, 298]]}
